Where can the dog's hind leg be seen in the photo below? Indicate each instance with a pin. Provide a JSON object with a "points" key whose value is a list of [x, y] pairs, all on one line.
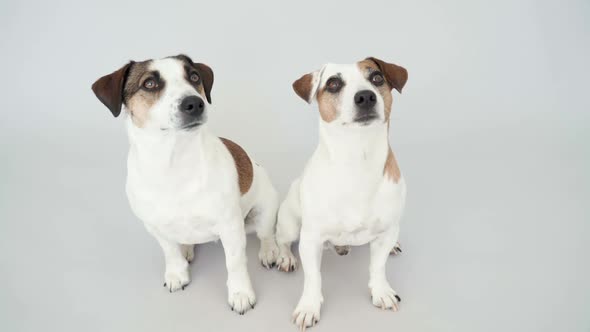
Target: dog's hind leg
{"points": [[288, 228], [342, 250], [264, 214], [188, 251], [397, 249]]}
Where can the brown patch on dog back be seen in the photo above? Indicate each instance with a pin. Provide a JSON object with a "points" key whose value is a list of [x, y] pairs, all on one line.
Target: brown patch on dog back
{"points": [[367, 67], [391, 169], [243, 165], [327, 103]]}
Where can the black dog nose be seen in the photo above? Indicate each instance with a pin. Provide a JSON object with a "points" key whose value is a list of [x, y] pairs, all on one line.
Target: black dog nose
{"points": [[192, 105], [365, 99]]}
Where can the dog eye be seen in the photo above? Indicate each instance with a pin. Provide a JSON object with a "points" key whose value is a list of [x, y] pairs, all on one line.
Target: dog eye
{"points": [[194, 77], [377, 79], [334, 84], [150, 84]]}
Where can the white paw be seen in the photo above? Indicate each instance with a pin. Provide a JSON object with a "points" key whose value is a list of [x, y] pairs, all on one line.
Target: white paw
{"points": [[397, 249], [242, 301], [175, 280], [268, 253], [307, 314], [286, 261], [342, 250], [385, 298], [189, 252]]}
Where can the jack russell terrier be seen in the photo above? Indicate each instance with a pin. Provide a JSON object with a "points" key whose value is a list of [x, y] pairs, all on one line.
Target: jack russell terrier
{"points": [[187, 185], [351, 191]]}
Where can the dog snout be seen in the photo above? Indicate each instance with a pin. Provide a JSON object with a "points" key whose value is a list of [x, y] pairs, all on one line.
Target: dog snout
{"points": [[365, 99], [192, 105]]}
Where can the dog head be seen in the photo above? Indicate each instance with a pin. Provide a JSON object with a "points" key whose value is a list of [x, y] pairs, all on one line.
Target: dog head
{"points": [[354, 94], [173, 93]]}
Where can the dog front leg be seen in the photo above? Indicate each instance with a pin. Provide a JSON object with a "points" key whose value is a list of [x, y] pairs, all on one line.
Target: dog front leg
{"points": [[382, 294], [307, 312], [177, 274], [241, 296]]}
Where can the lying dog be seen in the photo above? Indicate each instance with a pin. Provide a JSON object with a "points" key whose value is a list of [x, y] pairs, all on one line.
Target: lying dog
{"points": [[187, 185], [351, 191]]}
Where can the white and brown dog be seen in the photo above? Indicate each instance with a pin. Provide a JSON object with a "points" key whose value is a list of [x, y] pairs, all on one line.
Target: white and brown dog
{"points": [[351, 191], [187, 185]]}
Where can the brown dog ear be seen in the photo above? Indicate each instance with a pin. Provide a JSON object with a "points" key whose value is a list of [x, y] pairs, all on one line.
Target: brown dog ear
{"points": [[303, 87], [207, 76], [109, 89], [307, 85], [396, 76]]}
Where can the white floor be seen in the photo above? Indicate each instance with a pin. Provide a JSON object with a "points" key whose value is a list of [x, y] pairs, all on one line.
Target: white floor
{"points": [[486, 247]]}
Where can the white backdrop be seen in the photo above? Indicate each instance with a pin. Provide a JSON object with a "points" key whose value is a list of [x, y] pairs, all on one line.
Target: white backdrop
{"points": [[491, 134]]}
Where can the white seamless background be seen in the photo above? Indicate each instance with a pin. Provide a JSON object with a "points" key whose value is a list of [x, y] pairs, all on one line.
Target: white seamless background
{"points": [[491, 133]]}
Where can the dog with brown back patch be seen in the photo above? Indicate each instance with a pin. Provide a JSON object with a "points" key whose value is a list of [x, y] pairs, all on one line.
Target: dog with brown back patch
{"points": [[187, 185], [351, 191]]}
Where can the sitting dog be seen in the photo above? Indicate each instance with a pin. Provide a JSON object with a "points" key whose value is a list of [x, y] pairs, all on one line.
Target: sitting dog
{"points": [[351, 191], [187, 185]]}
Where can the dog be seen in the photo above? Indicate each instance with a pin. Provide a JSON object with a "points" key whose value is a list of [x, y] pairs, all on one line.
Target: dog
{"points": [[351, 191], [187, 185]]}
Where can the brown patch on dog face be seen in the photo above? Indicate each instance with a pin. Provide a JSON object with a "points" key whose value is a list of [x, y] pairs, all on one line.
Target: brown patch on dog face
{"points": [[137, 99], [243, 165], [327, 101], [205, 83], [391, 169], [201, 90], [367, 67], [395, 75], [199, 86], [139, 106], [328, 105]]}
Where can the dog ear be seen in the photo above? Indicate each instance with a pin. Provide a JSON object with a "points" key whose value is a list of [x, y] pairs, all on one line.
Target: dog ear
{"points": [[307, 85], [396, 76], [207, 76], [109, 89]]}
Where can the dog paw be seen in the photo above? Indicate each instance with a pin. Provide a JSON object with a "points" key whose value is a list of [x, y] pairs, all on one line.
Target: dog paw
{"points": [[189, 252], [286, 261], [268, 253], [342, 250], [240, 302], [307, 314], [176, 280], [385, 298], [397, 249]]}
